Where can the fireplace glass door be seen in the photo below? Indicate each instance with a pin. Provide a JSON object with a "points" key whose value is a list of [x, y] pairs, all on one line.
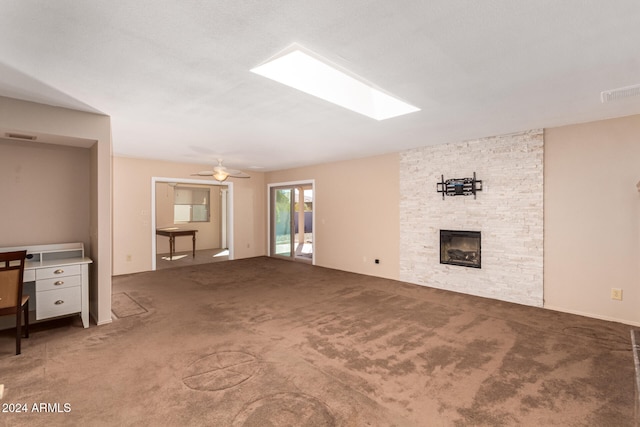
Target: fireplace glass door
{"points": [[460, 248]]}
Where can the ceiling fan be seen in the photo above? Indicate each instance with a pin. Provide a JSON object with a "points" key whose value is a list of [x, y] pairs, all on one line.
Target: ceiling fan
{"points": [[221, 173]]}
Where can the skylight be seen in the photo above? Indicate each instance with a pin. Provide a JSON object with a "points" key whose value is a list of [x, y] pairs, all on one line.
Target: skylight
{"points": [[310, 73]]}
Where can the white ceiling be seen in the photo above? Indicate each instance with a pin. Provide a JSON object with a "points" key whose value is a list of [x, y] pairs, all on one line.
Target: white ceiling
{"points": [[174, 75]]}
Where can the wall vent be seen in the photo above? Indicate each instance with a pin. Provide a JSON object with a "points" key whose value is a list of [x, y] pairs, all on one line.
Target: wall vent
{"points": [[20, 136], [620, 93]]}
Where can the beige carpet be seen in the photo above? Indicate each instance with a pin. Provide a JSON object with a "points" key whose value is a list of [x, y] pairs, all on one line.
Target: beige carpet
{"points": [[122, 305], [264, 342]]}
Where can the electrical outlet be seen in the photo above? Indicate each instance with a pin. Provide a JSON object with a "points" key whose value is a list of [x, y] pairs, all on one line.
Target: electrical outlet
{"points": [[616, 294]]}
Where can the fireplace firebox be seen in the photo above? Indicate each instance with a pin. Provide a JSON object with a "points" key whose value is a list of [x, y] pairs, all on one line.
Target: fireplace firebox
{"points": [[460, 248]]}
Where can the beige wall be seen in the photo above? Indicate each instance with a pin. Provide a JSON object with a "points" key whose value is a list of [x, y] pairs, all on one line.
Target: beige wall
{"points": [[132, 234], [55, 208], [356, 213], [63, 126], [592, 219]]}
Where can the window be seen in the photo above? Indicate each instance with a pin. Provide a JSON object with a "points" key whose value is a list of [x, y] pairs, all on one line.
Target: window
{"points": [[191, 204]]}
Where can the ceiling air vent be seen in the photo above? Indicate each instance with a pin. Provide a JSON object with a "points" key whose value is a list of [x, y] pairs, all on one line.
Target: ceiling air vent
{"points": [[623, 92], [20, 136]]}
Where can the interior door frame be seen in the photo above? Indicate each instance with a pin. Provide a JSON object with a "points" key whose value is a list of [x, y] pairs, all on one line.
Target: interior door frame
{"points": [[229, 218], [308, 182]]}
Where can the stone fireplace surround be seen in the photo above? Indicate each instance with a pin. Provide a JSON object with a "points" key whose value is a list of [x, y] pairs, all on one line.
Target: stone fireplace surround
{"points": [[508, 213]]}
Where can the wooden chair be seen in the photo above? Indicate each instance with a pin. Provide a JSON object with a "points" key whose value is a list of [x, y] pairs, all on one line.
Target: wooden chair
{"points": [[11, 299]]}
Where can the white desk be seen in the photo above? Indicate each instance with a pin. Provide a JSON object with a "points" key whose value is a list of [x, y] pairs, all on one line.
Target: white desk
{"points": [[56, 278]]}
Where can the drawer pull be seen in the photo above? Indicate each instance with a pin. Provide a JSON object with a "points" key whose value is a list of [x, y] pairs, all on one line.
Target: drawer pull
{"points": [[59, 302], [58, 271], [58, 283]]}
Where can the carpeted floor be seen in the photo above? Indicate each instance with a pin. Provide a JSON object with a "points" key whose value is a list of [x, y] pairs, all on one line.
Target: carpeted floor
{"points": [[265, 342]]}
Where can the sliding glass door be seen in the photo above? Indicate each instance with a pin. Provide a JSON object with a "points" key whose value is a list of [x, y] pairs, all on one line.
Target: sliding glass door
{"points": [[282, 222], [291, 228]]}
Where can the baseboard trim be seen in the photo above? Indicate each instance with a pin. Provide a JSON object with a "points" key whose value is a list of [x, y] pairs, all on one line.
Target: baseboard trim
{"points": [[594, 316], [104, 322]]}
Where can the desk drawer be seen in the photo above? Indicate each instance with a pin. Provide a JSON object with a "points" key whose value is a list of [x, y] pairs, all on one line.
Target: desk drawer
{"points": [[61, 271], [58, 283], [58, 302]]}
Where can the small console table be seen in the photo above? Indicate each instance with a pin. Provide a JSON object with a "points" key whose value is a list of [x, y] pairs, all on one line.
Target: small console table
{"points": [[171, 233], [56, 278]]}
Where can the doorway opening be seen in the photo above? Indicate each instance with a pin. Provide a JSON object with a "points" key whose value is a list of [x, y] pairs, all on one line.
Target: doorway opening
{"points": [[291, 221], [191, 222]]}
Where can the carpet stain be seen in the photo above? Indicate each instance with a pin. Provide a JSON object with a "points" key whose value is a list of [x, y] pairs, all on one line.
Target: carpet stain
{"points": [[410, 339], [354, 360], [472, 356], [529, 380], [603, 335]]}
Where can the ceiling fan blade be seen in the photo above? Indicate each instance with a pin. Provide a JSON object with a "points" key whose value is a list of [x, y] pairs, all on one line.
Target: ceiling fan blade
{"points": [[235, 172], [203, 173], [239, 175]]}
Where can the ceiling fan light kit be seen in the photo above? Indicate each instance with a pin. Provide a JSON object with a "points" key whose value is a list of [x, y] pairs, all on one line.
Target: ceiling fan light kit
{"points": [[221, 173]]}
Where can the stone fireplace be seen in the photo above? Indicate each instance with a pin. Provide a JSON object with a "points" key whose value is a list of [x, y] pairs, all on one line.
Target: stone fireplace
{"points": [[508, 211], [461, 248]]}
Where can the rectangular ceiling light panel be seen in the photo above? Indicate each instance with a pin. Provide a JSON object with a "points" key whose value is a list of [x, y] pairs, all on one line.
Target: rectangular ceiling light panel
{"points": [[309, 74]]}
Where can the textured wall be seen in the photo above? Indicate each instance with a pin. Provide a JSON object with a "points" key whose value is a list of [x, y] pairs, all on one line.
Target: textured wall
{"points": [[508, 213]]}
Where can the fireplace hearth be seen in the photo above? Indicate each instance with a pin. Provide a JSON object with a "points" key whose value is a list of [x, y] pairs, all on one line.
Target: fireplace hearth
{"points": [[460, 248]]}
